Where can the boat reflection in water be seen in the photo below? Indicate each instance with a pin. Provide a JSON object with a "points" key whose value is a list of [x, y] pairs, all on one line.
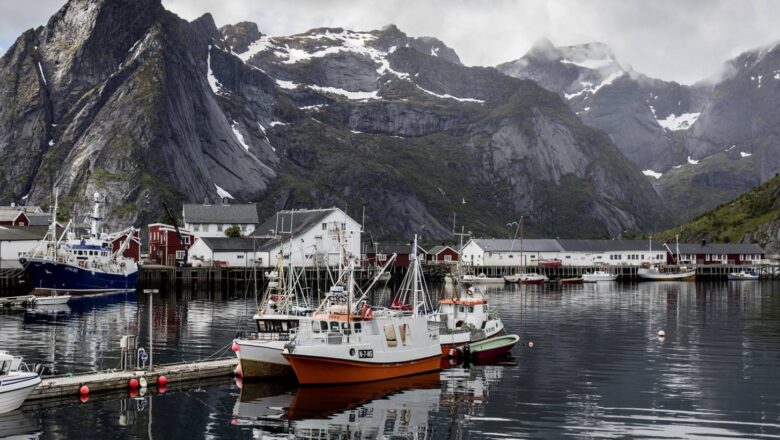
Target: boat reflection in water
{"points": [[391, 408]]}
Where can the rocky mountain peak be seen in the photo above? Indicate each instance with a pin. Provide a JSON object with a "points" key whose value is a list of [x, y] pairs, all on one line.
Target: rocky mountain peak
{"points": [[240, 35]]}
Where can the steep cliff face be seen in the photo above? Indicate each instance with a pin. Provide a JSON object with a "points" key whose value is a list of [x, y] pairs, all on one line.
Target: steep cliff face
{"points": [[154, 108], [643, 116]]}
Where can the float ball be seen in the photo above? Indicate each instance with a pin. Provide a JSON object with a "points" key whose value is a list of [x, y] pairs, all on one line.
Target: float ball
{"points": [[134, 392], [238, 372], [530, 344], [133, 384], [661, 334], [84, 390], [162, 389], [162, 381], [84, 398]]}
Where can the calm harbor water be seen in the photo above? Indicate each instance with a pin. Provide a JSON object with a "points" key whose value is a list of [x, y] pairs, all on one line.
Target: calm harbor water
{"points": [[596, 370]]}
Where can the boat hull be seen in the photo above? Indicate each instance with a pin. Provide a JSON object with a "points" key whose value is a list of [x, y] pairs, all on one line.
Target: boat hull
{"points": [[15, 390], [589, 278], [738, 277], [493, 348], [571, 281], [313, 370], [48, 276], [655, 276], [262, 359]]}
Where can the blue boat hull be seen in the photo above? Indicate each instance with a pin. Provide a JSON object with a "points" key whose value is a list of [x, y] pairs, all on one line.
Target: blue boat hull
{"points": [[47, 276]]}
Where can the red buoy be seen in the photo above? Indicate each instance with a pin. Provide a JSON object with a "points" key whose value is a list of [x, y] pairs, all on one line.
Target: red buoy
{"points": [[84, 390], [133, 384], [162, 389], [235, 347], [134, 392], [162, 381], [84, 398], [234, 422]]}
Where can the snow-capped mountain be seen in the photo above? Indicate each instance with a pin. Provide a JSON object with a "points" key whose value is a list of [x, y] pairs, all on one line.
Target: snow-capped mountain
{"points": [[644, 116], [124, 97]]}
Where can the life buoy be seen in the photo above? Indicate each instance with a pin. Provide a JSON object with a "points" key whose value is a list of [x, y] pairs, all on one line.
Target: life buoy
{"points": [[368, 314], [470, 291]]}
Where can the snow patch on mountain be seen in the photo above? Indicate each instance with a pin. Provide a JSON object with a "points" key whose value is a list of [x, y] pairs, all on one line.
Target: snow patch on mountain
{"points": [[592, 90], [289, 85], [346, 93], [652, 173], [216, 87], [222, 193], [43, 77], [677, 123], [239, 136], [446, 96], [743, 154], [692, 161], [591, 64]]}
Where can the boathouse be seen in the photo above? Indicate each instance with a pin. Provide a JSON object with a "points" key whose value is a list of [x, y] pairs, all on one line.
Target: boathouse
{"points": [[380, 254], [611, 252], [13, 218], [719, 253], [442, 254], [164, 245], [133, 250], [507, 252], [309, 237], [212, 220]]}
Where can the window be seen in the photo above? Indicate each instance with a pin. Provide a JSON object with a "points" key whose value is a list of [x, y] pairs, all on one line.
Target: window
{"points": [[343, 226], [186, 239], [196, 228], [334, 327], [381, 257], [448, 258], [324, 326], [358, 327], [390, 335], [239, 257], [219, 228], [324, 226], [205, 228], [179, 255]]}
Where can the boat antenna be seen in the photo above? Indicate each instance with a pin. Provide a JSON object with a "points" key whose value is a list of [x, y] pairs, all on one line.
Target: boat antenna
{"points": [[415, 275]]}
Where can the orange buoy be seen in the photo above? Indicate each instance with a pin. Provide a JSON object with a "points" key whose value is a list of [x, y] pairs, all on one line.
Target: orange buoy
{"points": [[84, 390], [162, 381], [235, 347], [133, 383], [162, 389]]}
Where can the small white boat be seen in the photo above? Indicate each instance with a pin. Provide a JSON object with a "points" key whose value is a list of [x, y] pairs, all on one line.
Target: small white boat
{"points": [[656, 273], [16, 383], [532, 278], [597, 276], [743, 275], [52, 300], [512, 278], [482, 279]]}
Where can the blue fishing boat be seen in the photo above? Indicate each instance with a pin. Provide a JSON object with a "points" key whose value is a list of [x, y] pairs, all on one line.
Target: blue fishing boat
{"points": [[63, 263]]}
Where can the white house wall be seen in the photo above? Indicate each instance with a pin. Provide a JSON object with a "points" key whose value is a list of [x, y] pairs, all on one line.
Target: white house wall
{"points": [[474, 255], [11, 250], [212, 229], [322, 243]]}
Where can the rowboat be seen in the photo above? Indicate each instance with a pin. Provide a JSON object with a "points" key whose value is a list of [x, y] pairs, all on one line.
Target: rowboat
{"points": [[490, 348], [568, 281], [52, 300]]}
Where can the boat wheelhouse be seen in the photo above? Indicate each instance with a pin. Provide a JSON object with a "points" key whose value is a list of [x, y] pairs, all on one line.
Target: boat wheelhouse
{"points": [[465, 319]]}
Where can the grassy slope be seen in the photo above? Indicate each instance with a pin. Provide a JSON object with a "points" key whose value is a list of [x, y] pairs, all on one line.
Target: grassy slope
{"points": [[731, 221]]}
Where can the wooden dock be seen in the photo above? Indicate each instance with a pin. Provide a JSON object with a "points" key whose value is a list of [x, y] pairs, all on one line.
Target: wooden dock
{"points": [[104, 381], [627, 272], [16, 301]]}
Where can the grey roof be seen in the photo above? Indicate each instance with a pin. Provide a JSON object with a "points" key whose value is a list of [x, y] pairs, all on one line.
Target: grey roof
{"points": [[27, 209], [8, 215], [21, 233], [609, 245], [39, 219], [509, 245], [229, 244], [225, 214], [296, 222], [436, 249], [719, 248]]}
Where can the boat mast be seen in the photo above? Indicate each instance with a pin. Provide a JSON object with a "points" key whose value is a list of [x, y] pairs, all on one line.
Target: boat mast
{"points": [[522, 257], [677, 245], [415, 275], [95, 219]]}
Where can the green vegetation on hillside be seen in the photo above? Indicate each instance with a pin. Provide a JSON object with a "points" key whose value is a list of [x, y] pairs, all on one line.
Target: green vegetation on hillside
{"points": [[731, 221]]}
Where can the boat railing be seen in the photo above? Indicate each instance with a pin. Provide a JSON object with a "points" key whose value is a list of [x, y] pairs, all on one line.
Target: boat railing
{"points": [[266, 336], [309, 337]]}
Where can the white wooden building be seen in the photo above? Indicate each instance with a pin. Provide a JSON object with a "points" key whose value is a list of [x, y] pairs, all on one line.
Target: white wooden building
{"points": [[310, 237], [224, 252], [214, 220], [16, 242], [507, 252]]}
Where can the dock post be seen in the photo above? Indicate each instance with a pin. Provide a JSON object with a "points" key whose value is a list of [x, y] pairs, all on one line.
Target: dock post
{"points": [[151, 293]]}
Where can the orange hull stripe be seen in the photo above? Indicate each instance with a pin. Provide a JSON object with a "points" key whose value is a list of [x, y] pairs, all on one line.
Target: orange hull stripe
{"points": [[317, 370]]}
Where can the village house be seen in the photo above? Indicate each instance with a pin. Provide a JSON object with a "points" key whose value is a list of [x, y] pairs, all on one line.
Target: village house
{"points": [[164, 245], [214, 220], [133, 248], [442, 254], [225, 252], [379, 255], [310, 237], [506, 252], [719, 253]]}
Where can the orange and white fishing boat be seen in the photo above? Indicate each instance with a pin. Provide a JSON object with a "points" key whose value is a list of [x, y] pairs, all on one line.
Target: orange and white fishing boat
{"points": [[349, 342], [465, 319]]}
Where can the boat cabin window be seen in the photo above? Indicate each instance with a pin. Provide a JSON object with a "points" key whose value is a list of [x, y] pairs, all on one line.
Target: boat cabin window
{"points": [[315, 326], [334, 327], [274, 326], [358, 327], [390, 335], [324, 326], [461, 309], [5, 368]]}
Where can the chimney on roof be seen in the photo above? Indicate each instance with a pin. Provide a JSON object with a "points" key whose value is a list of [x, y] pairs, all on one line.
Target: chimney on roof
{"points": [[704, 243]]}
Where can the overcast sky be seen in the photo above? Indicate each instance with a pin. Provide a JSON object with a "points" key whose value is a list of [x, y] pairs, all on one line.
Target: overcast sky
{"points": [[671, 39]]}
